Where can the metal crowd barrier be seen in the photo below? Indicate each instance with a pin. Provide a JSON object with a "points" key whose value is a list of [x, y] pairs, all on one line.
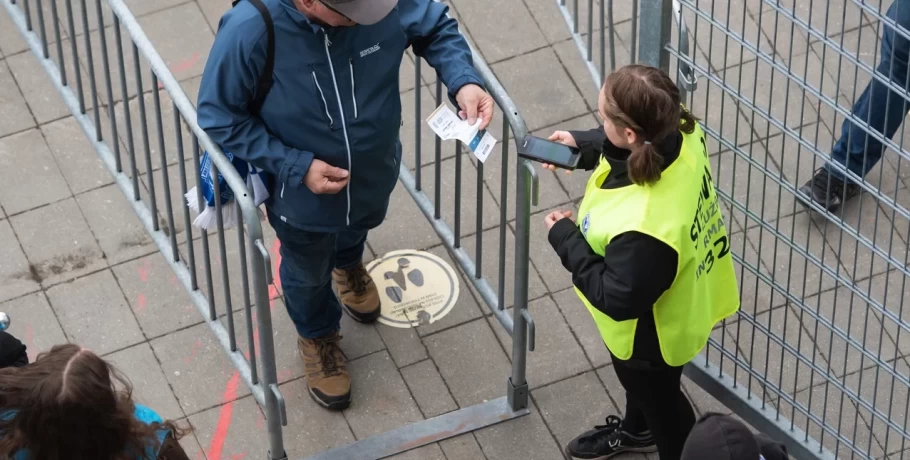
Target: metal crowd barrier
{"points": [[817, 357], [213, 284]]}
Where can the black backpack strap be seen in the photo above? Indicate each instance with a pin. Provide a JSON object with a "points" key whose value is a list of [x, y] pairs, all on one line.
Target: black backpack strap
{"points": [[264, 83]]}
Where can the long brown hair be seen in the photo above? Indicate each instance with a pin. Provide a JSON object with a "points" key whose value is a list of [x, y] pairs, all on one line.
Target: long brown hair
{"points": [[66, 405], [645, 100]]}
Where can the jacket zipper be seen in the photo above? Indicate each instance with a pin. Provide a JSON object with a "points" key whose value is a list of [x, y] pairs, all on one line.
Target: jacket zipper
{"points": [[325, 104], [344, 126], [353, 88]]}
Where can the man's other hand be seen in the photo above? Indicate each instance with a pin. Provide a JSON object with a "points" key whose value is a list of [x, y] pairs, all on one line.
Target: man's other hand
{"points": [[475, 103], [324, 179]]}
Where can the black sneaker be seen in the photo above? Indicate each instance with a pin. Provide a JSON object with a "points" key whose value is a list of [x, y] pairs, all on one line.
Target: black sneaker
{"points": [[828, 191], [608, 441]]}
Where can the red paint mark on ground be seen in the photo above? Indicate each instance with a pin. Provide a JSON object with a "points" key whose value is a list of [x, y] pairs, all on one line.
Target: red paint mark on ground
{"points": [[29, 337], [285, 374], [200, 455], [143, 270], [193, 351], [140, 303], [238, 456], [224, 418], [173, 280], [275, 288], [260, 421], [183, 66]]}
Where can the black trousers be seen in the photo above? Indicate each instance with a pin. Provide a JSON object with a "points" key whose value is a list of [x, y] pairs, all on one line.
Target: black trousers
{"points": [[655, 402]]}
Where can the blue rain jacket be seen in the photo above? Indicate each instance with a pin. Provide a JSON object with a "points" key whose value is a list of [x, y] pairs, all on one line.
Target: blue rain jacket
{"points": [[335, 97]]}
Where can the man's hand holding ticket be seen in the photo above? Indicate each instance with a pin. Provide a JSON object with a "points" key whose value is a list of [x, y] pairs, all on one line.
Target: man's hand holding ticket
{"points": [[447, 125]]}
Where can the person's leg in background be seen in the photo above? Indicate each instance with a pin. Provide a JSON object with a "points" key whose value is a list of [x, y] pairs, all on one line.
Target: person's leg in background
{"points": [[307, 260], [878, 106], [655, 390], [356, 289]]}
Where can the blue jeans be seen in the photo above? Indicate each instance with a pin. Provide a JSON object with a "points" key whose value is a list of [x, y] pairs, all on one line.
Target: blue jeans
{"points": [[881, 108], [307, 261]]}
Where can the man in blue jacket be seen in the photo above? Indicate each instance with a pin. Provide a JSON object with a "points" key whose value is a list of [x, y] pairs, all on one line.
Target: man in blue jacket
{"points": [[327, 137]]}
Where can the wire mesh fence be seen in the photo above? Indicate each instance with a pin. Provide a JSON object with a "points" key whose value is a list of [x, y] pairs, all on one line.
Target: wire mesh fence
{"points": [[787, 90]]}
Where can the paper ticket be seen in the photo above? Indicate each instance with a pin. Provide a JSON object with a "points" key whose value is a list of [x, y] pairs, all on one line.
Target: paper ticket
{"points": [[447, 125]]}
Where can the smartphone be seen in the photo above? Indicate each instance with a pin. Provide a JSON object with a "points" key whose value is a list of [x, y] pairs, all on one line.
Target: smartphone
{"points": [[549, 152]]}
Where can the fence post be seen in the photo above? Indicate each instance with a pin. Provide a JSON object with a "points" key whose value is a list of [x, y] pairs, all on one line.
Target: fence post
{"points": [[654, 33]]}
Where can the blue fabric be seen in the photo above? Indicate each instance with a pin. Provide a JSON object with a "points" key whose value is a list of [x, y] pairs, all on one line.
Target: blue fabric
{"points": [[329, 84], [881, 108], [142, 413], [307, 260], [207, 181]]}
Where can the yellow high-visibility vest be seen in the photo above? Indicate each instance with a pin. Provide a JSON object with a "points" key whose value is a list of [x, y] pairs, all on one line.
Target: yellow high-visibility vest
{"points": [[681, 209]]}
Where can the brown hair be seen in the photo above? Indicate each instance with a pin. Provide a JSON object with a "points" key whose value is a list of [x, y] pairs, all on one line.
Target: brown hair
{"points": [[645, 100], [66, 405]]}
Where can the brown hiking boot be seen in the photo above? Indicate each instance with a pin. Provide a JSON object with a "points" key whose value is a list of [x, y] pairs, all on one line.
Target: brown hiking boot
{"points": [[358, 293], [326, 374]]}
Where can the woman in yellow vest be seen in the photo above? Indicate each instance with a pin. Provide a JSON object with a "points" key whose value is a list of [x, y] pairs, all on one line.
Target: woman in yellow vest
{"points": [[649, 257]]}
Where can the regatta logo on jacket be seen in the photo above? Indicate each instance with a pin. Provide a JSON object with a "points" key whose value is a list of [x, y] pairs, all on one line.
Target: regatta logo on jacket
{"points": [[369, 50]]}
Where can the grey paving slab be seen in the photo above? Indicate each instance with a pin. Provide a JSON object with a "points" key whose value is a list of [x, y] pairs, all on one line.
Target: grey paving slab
{"points": [[404, 345], [58, 242], [551, 192], [885, 289], [544, 258], [753, 186], [574, 405], [802, 275], [11, 41], [78, 161], [114, 223], [840, 415], [501, 30], [150, 387], [721, 113], [736, 23], [539, 76], [490, 264], [471, 361], [26, 162], [234, 430], [553, 25], [404, 225], [198, 371], [381, 399], [557, 354], [837, 16], [233, 279], [761, 84], [522, 438], [360, 339], [582, 327], [863, 45], [213, 10], [469, 305], [95, 314], [756, 295], [138, 8], [888, 395], [862, 324], [169, 132], [429, 452], [16, 277], [614, 389], [469, 194], [462, 447], [38, 88], [701, 401], [574, 63], [34, 323], [313, 429], [429, 390], [174, 195], [158, 300], [759, 348]]}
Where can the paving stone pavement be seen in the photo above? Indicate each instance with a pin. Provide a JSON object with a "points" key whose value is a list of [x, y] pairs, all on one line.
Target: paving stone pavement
{"points": [[76, 265]]}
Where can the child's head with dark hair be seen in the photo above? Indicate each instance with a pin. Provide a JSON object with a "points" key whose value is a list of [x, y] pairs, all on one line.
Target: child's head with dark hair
{"points": [[67, 404], [641, 107]]}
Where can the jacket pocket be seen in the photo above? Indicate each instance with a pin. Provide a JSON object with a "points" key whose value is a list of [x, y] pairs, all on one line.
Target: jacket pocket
{"points": [[325, 103]]}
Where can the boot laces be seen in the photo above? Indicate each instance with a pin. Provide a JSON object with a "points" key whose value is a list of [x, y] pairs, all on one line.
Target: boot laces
{"points": [[327, 348]]}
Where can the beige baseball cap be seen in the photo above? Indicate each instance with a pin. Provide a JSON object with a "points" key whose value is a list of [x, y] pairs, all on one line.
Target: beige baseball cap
{"points": [[366, 12]]}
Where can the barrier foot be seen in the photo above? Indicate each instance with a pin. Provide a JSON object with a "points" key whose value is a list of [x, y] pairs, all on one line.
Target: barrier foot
{"points": [[517, 395], [282, 457], [425, 432]]}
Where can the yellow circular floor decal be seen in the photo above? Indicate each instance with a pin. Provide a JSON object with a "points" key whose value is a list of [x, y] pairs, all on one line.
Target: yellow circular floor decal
{"points": [[415, 287]]}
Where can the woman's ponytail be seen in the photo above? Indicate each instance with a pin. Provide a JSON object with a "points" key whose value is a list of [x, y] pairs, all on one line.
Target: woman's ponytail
{"points": [[644, 164]]}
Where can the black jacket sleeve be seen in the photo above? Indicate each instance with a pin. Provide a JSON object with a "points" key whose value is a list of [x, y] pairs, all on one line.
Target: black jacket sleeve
{"points": [[12, 351], [771, 449], [590, 144], [626, 282]]}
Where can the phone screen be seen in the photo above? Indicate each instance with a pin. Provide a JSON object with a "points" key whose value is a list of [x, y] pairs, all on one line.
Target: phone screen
{"points": [[549, 151]]}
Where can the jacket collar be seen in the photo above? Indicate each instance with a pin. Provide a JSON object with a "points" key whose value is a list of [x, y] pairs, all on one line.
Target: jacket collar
{"points": [[616, 157], [299, 18]]}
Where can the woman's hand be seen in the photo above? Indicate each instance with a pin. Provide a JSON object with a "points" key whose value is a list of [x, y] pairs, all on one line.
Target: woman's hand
{"points": [[564, 138], [556, 216]]}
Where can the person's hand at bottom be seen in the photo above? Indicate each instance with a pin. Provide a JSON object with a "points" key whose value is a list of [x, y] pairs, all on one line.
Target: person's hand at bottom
{"points": [[555, 216]]}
